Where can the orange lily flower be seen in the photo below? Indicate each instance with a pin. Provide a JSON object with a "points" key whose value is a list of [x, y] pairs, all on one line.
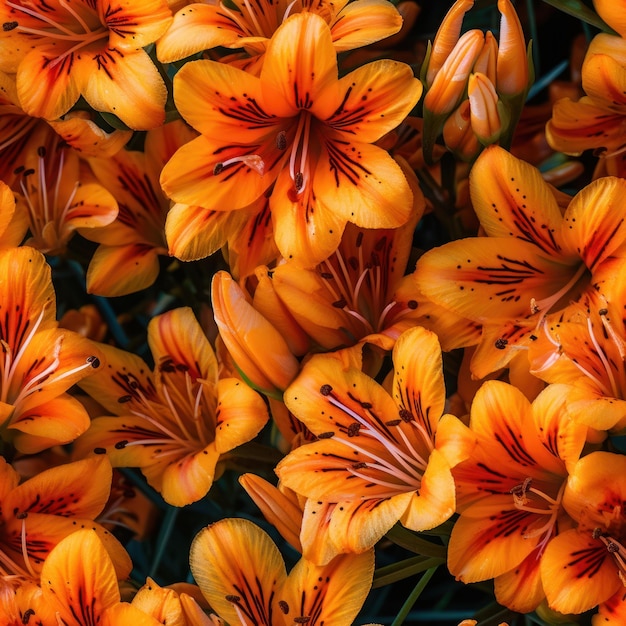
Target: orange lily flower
{"points": [[127, 259], [40, 361], [76, 129], [354, 295], [62, 50], [597, 120], [242, 24], [381, 457], [175, 422], [38, 513], [585, 566], [587, 352], [242, 575], [60, 194], [298, 134], [80, 586], [534, 261], [510, 491]]}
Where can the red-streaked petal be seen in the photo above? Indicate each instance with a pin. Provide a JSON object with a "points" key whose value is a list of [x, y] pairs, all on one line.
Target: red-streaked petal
{"points": [[300, 64], [126, 84], [224, 103], [520, 589], [577, 572], [78, 578], [491, 538], [375, 99], [236, 564], [489, 278], [584, 125], [235, 187], [329, 594], [78, 489], [594, 223], [361, 183], [47, 89], [511, 199], [418, 385]]}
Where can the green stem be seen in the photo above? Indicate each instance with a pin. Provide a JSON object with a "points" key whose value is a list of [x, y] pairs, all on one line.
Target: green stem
{"points": [[414, 595], [163, 539], [410, 541], [404, 569]]}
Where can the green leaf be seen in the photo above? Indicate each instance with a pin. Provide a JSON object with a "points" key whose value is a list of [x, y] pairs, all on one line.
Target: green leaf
{"points": [[577, 8]]}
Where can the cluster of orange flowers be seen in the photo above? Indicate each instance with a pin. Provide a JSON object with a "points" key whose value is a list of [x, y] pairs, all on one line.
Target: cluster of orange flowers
{"points": [[278, 156]]}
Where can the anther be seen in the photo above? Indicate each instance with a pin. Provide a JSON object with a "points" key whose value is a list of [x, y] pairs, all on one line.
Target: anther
{"points": [[99, 451], [603, 312], [21, 515], [124, 399], [328, 435], [339, 304], [405, 415], [393, 422], [218, 169], [353, 429], [359, 239], [325, 390], [94, 360], [41, 151], [412, 304], [501, 343], [28, 613], [298, 181], [7, 26], [120, 445], [281, 140], [233, 598]]}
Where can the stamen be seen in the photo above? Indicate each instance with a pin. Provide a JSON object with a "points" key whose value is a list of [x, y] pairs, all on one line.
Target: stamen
{"points": [[253, 161]]}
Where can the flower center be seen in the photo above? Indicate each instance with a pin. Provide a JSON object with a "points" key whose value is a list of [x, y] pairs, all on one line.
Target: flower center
{"points": [[388, 455], [532, 500]]}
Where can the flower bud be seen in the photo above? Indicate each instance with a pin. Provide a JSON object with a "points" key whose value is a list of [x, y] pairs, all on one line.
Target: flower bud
{"points": [[446, 38], [484, 114], [512, 67]]}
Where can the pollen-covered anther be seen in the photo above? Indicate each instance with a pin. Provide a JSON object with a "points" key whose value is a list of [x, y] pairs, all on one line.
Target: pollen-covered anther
{"points": [[501, 343], [233, 598], [281, 140], [94, 361], [328, 435], [353, 429], [298, 181], [519, 492], [405, 415], [253, 161], [7, 26], [326, 390]]}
